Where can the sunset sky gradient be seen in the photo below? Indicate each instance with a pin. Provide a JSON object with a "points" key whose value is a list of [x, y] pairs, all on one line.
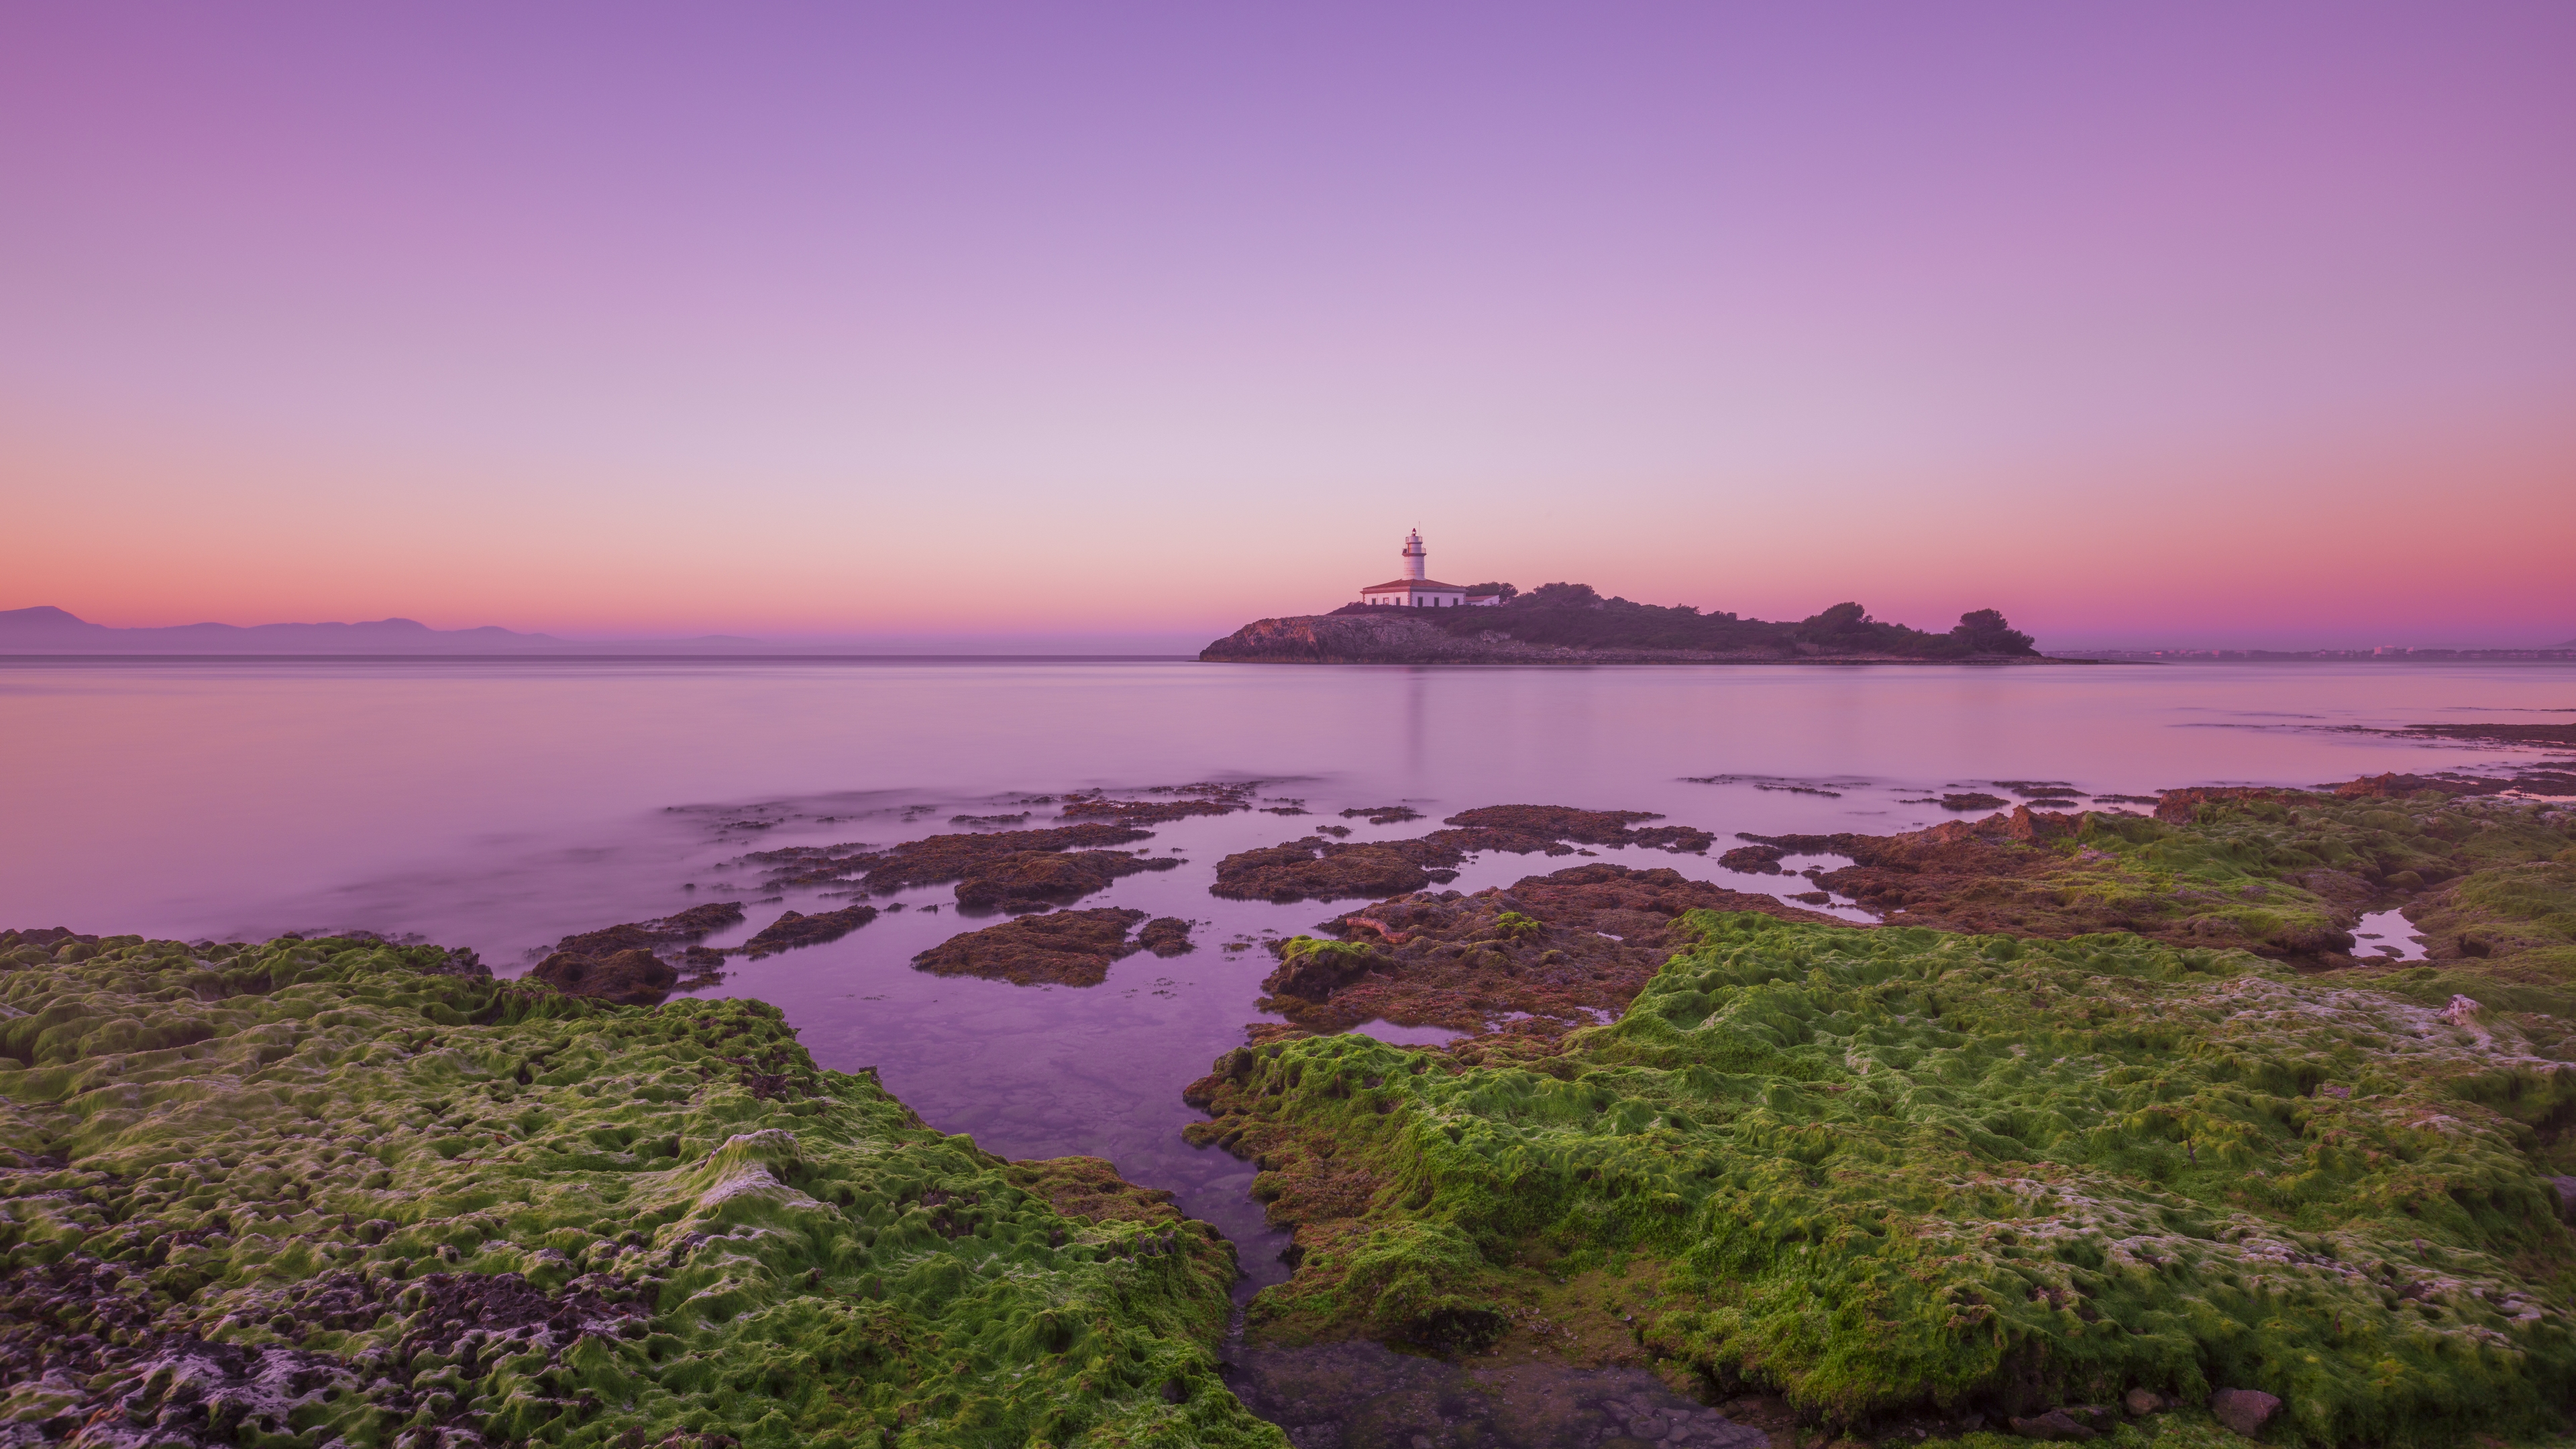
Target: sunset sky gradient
{"points": [[2173, 324]]}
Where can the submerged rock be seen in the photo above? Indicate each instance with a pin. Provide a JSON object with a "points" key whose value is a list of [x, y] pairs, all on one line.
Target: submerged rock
{"points": [[1066, 948], [347, 1197]]}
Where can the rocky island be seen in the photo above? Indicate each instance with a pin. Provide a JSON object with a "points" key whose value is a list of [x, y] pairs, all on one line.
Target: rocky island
{"points": [[1574, 624]]}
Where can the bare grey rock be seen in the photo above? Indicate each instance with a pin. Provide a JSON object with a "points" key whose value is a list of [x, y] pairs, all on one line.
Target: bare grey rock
{"points": [[2056, 1424], [2244, 1410]]}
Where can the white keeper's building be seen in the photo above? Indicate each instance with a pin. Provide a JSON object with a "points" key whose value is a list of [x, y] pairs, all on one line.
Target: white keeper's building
{"points": [[1415, 591]]}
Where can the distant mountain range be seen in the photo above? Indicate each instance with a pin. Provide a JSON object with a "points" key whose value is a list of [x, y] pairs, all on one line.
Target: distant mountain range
{"points": [[47, 630]]}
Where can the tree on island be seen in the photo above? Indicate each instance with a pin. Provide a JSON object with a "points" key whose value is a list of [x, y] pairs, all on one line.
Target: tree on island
{"points": [[1986, 632]]}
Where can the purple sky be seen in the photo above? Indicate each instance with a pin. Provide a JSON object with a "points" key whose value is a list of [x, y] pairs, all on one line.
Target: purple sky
{"points": [[2175, 324]]}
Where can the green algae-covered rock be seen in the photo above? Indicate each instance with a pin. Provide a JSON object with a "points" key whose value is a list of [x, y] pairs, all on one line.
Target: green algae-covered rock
{"points": [[336, 1191], [2284, 873], [1873, 1168]]}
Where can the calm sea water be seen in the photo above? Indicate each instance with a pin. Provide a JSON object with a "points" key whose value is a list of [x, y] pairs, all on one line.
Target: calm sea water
{"points": [[503, 804]]}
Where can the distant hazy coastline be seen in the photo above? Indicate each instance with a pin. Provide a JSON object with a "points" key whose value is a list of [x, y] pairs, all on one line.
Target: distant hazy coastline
{"points": [[52, 632]]}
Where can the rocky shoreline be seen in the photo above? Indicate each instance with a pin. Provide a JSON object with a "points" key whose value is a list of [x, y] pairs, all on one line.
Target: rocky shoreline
{"points": [[2111, 1118], [340, 1192], [2119, 1119]]}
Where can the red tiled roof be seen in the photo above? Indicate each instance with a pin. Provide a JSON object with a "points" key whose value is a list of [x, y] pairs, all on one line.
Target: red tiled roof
{"points": [[1415, 584]]}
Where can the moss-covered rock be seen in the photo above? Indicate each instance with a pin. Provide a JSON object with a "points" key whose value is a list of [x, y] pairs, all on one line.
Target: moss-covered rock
{"points": [[1874, 1168], [2282, 873], [326, 1188]]}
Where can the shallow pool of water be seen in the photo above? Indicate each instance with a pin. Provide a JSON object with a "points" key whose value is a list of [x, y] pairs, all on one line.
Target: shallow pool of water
{"points": [[2387, 934]]}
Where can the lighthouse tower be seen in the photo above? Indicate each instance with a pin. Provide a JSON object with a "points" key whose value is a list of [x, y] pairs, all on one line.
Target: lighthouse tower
{"points": [[1417, 589]]}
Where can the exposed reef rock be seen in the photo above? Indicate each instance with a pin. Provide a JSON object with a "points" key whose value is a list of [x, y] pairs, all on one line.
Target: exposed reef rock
{"points": [[630, 978], [1591, 827], [1166, 936], [931, 861], [1550, 954], [330, 1192], [1066, 948], [1753, 858], [1188, 800], [1973, 800], [2040, 789], [1319, 869], [795, 928], [2400, 787], [687, 928], [1032, 880], [2509, 734], [630, 964], [1382, 814], [1892, 1170]]}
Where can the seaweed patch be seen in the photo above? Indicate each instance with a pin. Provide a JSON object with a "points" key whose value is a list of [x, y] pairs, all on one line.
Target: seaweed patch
{"points": [[1877, 1170], [335, 1191]]}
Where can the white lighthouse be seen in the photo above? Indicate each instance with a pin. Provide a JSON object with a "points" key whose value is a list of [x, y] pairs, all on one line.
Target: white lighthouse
{"points": [[1417, 590]]}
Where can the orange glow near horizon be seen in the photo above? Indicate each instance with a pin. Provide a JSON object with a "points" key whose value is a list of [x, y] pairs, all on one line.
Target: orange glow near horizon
{"points": [[2287, 551]]}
